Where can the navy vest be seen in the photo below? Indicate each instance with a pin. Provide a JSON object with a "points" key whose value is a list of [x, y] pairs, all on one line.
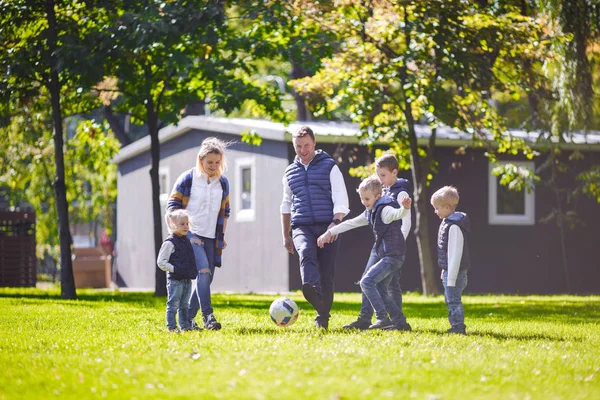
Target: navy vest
{"points": [[311, 190], [461, 220], [182, 259], [401, 185], [389, 240]]}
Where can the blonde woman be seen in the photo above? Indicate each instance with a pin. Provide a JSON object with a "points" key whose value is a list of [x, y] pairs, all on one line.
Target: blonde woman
{"points": [[204, 192]]}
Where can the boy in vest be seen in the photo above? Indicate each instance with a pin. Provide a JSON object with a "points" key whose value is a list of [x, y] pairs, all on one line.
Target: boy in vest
{"points": [[386, 168], [176, 257], [453, 253], [384, 215]]}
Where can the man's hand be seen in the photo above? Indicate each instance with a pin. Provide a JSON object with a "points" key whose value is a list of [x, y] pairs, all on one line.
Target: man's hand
{"points": [[406, 202], [288, 243]]}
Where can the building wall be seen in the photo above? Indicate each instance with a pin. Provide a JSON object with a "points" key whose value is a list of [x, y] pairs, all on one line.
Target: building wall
{"points": [[505, 258], [249, 262]]}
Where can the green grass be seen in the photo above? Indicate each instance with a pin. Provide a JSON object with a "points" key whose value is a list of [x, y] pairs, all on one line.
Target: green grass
{"points": [[114, 345]]}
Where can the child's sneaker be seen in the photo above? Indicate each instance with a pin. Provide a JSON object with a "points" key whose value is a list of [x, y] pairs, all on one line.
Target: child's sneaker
{"points": [[382, 324], [359, 324], [458, 331], [400, 326], [174, 330], [210, 323], [194, 326]]}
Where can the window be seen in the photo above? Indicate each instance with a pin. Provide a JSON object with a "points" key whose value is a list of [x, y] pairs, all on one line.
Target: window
{"points": [[163, 184], [509, 207], [245, 193]]}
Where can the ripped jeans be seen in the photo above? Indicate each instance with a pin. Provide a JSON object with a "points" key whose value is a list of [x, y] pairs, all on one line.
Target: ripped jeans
{"points": [[205, 259]]}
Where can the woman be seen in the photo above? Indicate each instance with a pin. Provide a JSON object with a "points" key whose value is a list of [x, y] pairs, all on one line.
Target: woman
{"points": [[204, 192]]}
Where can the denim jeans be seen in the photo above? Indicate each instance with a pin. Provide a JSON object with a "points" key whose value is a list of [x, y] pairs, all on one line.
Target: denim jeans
{"points": [[456, 311], [317, 265], [375, 285], [394, 288], [205, 259], [178, 300]]}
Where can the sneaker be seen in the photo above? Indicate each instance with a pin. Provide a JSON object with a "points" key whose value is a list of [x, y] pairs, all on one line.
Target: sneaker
{"points": [[400, 326], [311, 295], [194, 326], [359, 324], [382, 324], [210, 323], [458, 331], [174, 330], [322, 323]]}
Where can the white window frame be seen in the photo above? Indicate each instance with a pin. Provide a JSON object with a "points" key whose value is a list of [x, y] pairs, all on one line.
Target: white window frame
{"points": [[245, 215], [164, 192], [510, 219]]}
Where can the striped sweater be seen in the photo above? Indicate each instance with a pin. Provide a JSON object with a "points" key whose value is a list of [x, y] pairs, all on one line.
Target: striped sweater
{"points": [[180, 196]]}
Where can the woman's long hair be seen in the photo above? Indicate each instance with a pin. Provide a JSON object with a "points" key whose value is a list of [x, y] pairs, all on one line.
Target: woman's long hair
{"points": [[215, 146]]}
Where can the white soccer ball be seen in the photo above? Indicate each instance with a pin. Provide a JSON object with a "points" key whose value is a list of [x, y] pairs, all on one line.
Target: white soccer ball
{"points": [[283, 311]]}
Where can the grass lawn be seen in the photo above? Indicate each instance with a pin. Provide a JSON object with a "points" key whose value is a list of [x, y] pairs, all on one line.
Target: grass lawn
{"points": [[115, 345]]}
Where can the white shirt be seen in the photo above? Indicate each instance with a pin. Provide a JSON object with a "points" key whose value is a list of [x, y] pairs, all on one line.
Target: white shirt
{"points": [[204, 205], [339, 195], [456, 241], [389, 214], [407, 219], [164, 254]]}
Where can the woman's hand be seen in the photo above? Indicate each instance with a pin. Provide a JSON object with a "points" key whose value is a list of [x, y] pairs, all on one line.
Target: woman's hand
{"points": [[224, 244]]}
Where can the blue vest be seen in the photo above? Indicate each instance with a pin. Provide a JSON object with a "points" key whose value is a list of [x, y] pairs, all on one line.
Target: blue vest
{"points": [[389, 240], [182, 259], [311, 190], [461, 220]]}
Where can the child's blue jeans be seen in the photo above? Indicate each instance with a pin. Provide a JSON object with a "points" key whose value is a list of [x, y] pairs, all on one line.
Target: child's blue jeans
{"points": [[456, 311], [375, 285], [178, 300]]}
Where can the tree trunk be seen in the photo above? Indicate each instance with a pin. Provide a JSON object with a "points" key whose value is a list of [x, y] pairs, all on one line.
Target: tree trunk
{"points": [[116, 126], [160, 284], [67, 281], [302, 112]]}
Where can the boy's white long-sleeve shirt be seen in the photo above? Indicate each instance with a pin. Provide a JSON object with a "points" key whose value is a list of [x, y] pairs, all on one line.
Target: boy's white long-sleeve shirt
{"points": [[164, 254], [456, 242], [389, 214]]}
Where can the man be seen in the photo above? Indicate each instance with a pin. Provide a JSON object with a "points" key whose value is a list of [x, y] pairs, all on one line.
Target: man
{"points": [[314, 200]]}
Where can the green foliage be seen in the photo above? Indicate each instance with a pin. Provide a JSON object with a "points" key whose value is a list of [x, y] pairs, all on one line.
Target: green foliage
{"points": [[535, 347], [591, 182], [251, 137], [516, 177]]}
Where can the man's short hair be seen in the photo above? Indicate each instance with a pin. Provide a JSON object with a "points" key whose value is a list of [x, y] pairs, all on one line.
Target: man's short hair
{"points": [[448, 195], [370, 184], [387, 160], [303, 131]]}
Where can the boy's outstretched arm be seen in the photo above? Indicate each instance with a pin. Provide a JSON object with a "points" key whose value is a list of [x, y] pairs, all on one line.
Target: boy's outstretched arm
{"points": [[356, 222], [455, 249]]}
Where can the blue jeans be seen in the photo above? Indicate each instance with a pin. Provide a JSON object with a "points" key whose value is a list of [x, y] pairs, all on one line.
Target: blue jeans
{"points": [[456, 311], [375, 285], [395, 290], [205, 259], [178, 299], [317, 265]]}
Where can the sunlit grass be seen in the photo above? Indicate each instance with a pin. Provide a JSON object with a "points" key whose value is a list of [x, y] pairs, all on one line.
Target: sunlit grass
{"points": [[115, 345]]}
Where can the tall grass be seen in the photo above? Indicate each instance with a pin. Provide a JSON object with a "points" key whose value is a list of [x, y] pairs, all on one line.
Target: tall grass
{"points": [[115, 345]]}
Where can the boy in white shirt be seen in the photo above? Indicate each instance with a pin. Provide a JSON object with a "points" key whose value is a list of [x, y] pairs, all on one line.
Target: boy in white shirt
{"points": [[387, 255], [453, 253]]}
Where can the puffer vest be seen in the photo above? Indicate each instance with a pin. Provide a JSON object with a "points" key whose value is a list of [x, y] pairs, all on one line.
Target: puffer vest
{"points": [[401, 185], [461, 220], [389, 240], [182, 259], [311, 190]]}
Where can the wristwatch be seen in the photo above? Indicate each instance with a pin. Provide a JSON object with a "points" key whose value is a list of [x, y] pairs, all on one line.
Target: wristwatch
{"points": [[337, 221]]}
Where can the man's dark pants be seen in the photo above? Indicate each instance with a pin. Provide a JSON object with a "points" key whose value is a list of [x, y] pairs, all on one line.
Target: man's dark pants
{"points": [[316, 264]]}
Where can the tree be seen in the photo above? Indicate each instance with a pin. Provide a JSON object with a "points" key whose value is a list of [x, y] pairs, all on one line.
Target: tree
{"points": [[434, 62], [166, 55], [43, 51]]}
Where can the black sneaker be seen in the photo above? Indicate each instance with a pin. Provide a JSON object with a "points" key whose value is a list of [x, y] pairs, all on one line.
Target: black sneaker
{"points": [[210, 323], [314, 298], [359, 324], [322, 323], [400, 326], [458, 331], [194, 326], [382, 324]]}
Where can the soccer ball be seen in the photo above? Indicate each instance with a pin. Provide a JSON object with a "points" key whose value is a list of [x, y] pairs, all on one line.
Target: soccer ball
{"points": [[283, 311]]}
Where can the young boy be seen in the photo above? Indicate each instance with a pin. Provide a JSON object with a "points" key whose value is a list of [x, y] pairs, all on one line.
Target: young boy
{"points": [[386, 168], [387, 255], [176, 257], [453, 253]]}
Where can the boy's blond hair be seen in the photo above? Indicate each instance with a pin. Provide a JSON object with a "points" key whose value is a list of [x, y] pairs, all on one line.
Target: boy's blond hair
{"points": [[173, 217], [388, 161], [215, 146], [448, 195], [370, 184]]}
